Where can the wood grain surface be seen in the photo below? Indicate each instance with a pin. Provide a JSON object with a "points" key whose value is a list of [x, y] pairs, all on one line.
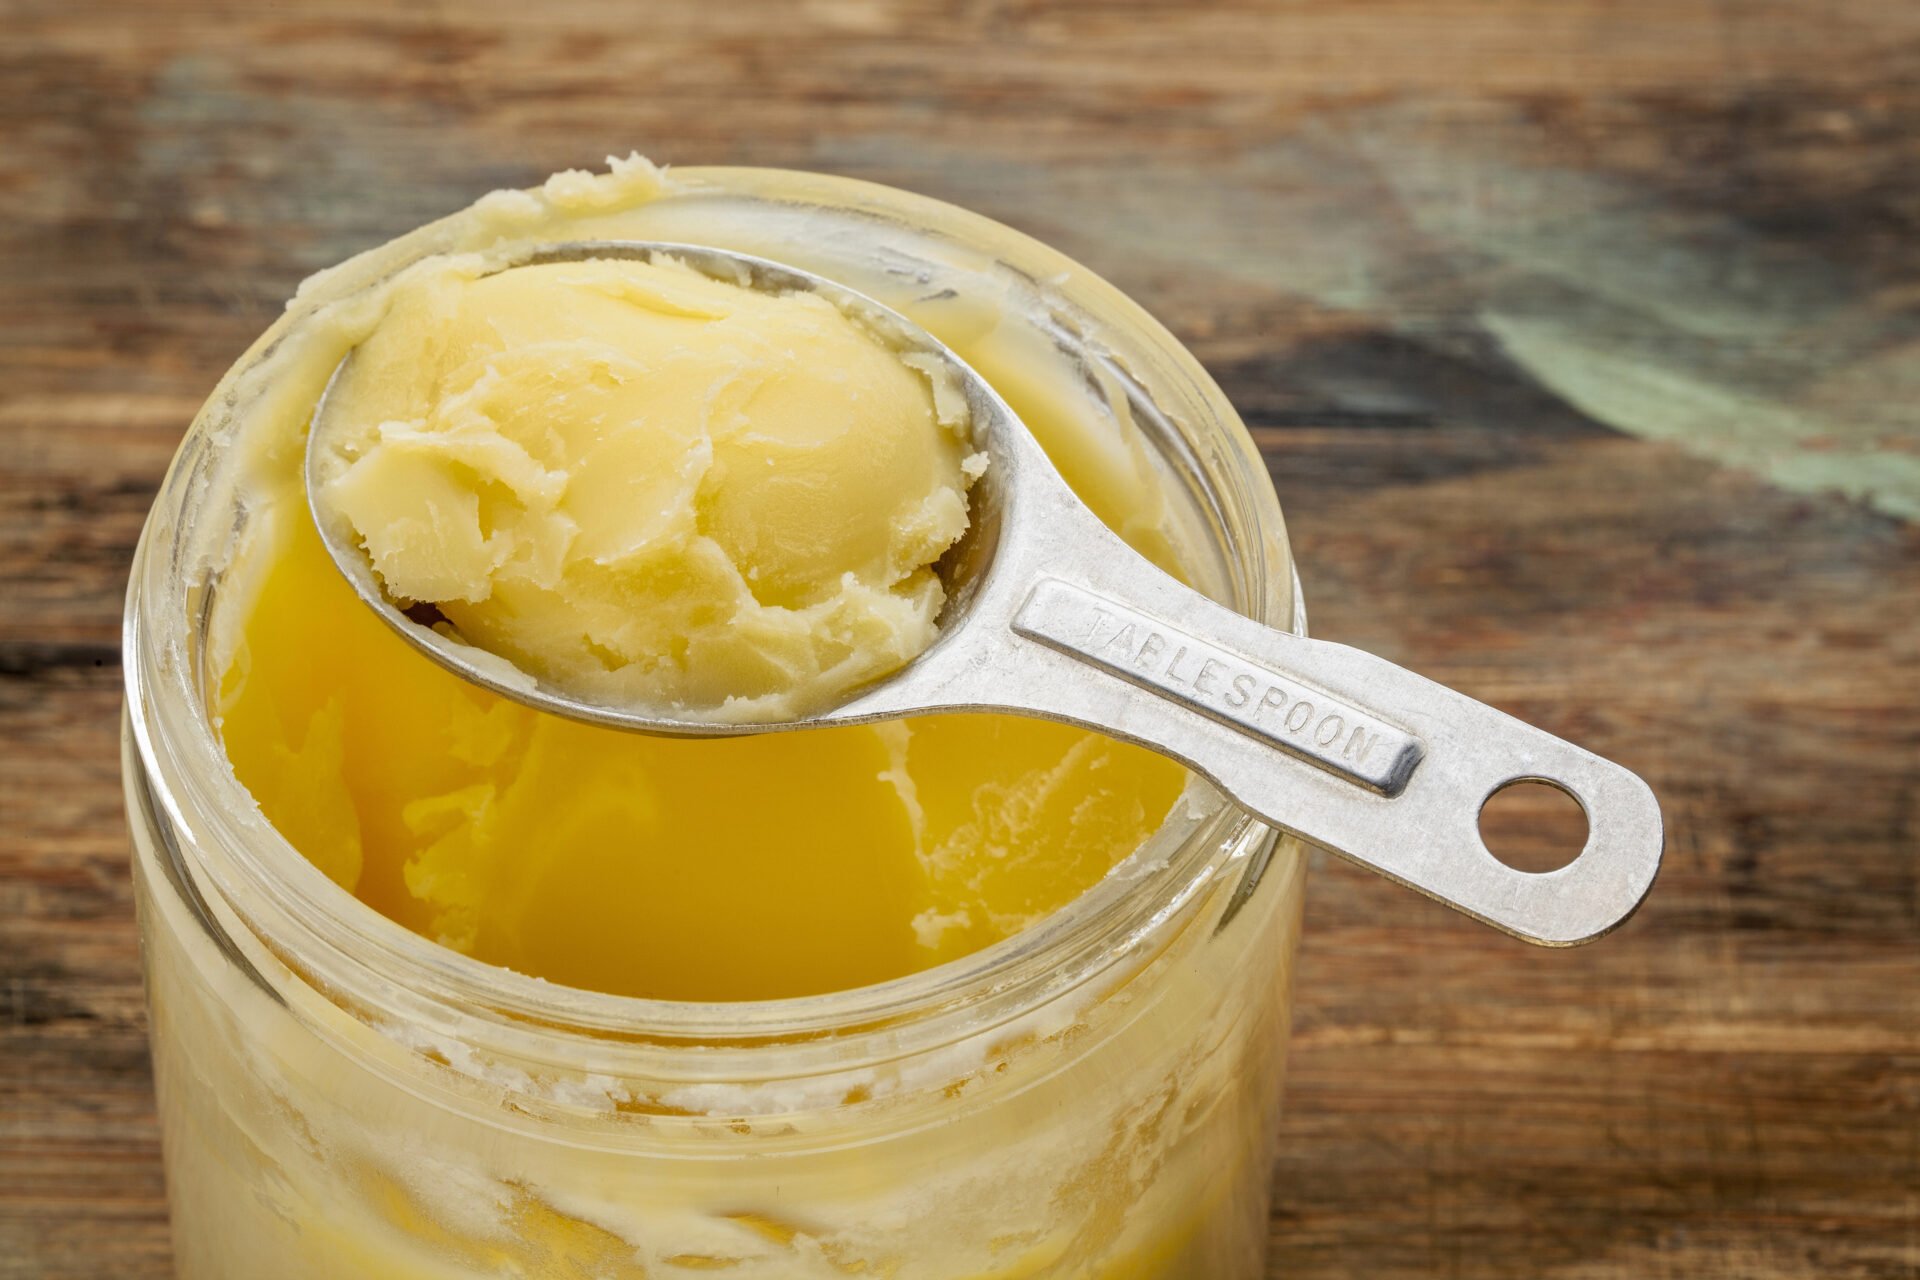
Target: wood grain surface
{"points": [[1583, 338]]}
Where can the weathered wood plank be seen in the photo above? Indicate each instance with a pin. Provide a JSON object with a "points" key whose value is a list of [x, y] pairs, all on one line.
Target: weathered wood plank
{"points": [[1565, 330]]}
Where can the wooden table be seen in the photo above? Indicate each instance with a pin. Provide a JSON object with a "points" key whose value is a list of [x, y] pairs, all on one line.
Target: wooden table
{"points": [[1584, 339]]}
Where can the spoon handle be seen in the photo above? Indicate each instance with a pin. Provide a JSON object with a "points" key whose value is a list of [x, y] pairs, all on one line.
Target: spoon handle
{"points": [[1050, 614], [1345, 749]]}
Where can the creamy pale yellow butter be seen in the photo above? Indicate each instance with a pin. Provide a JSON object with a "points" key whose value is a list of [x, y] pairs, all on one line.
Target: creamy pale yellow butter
{"points": [[647, 486]]}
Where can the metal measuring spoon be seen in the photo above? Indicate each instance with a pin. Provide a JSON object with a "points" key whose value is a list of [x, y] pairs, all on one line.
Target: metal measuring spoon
{"points": [[1050, 614]]}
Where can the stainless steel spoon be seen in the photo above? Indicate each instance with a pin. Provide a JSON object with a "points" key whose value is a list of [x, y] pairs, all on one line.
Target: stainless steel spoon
{"points": [[1050, 614]]}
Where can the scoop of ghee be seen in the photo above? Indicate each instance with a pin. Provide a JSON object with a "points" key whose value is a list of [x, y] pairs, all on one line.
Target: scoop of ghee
{"points": [[647, 486]]}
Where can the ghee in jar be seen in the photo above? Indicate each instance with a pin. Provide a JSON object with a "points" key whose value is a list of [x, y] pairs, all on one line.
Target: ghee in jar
{"points": [[1069, 1067], [742, 869]]}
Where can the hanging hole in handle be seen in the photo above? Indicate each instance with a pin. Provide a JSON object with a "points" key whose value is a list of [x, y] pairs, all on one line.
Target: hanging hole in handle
{"points": [[1532, 825]]}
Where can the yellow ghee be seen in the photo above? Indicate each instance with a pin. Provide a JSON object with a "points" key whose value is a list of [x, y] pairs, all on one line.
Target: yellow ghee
{"points": [[723, 869]]}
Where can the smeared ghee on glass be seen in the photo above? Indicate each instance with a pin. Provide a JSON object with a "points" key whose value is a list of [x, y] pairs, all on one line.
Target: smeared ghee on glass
{"points": [[1099, 1104]]}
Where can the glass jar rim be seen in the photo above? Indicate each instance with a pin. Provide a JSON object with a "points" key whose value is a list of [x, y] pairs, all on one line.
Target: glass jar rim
{"points": [[292, 915]]}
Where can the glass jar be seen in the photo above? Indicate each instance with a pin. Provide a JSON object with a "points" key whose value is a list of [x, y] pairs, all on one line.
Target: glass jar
{"points": [[1095, 1097]]}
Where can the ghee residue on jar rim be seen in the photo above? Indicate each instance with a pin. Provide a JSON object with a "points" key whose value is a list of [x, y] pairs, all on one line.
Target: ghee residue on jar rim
{"points": [[720, 869], [649, 487]]}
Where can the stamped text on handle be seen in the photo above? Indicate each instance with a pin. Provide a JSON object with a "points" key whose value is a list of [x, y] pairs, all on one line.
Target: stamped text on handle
{"points": [[1234, 690]]}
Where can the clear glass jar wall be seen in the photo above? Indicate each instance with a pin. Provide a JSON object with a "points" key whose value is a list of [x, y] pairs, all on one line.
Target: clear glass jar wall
{"points": [[1095, 1097]]}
